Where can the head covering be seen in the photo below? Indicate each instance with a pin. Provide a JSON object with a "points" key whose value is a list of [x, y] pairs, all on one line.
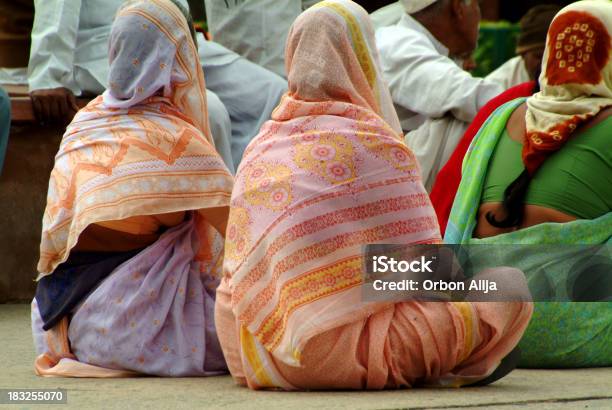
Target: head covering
{"points": [[413, 6], [534, 27], [324, 64], [143, 62], [329, 173], [576, 79], [133, 151]]}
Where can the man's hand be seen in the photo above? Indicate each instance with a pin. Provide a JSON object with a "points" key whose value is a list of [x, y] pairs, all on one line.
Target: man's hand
{"points": [[55, 105]]}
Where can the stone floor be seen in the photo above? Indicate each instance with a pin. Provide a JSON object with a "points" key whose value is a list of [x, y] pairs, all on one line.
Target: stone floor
{"points": [[522, 389]]}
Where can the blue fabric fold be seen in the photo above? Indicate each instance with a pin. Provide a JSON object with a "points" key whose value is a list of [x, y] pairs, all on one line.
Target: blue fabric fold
{"points": [[59, 293]]}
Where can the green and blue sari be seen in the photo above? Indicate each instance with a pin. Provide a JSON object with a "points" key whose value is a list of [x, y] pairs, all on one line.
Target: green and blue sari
{"points": [[561, 334]]}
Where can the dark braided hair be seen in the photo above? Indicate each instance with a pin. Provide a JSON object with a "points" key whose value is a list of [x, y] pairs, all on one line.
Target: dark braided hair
{"points": [[514, 196], [513, 203]]}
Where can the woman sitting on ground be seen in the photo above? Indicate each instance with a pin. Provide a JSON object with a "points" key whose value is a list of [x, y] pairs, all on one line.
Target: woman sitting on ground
{"points": [[447, 181], [540, 172], [327, 175], [137, 206]]}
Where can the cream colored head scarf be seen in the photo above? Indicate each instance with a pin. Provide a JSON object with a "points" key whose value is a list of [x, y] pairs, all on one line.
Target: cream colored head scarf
{"points": [[576, 79], [326, 65]]}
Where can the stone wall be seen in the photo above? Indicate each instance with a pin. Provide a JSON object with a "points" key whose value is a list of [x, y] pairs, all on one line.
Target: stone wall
{"points": [[23, 192]]}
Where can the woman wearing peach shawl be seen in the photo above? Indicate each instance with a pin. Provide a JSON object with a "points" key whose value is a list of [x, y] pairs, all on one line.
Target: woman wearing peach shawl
{"points": [[328, 174], [137, 205]]}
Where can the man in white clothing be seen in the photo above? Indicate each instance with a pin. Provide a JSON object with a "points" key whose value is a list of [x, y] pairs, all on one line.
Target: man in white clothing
{"points": [[255, 29], [511, 73], [434, 97], [387, 15], [69, 58]]}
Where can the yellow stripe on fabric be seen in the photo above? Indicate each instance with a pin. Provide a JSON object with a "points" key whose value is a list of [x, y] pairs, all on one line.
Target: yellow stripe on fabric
{"points": [[247, 341], [468, 319], [359, 44], [344, 275]]}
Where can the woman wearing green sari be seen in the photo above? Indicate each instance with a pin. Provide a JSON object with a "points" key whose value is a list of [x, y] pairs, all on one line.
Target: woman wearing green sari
{"points": [[539, 173]]}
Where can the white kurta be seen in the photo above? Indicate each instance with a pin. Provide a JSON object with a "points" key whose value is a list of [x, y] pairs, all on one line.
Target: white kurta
{"points": [[434, 97], [388, 15], [255, 29], [69, 49], [67, 41], [509, 74], [424, 81], [70, 44]]}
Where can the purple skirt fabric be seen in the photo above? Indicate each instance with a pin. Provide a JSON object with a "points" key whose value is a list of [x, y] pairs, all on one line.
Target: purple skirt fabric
{"points": [[154, 314]]}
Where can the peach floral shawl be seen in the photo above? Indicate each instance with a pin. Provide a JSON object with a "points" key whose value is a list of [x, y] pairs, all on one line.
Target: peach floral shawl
{"points": [[327, 175], [144, 146]]}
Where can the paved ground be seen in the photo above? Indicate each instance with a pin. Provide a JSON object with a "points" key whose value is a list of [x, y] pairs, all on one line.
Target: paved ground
{"points": [[523, 389]]}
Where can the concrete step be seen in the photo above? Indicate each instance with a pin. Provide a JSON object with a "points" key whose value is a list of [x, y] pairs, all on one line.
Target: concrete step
{"points": [[529, 389]]}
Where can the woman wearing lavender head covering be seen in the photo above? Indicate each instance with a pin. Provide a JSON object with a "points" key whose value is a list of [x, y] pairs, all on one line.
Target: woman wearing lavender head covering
{"points": [[132, 239]]}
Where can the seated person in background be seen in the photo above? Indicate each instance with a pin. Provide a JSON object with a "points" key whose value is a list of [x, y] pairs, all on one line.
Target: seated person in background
{"points": [[68, 57], [132, 240], [255, 29], [5, 125], [328, 174], [540, 172], [552, 162], [530, 48], [434, 97]]}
